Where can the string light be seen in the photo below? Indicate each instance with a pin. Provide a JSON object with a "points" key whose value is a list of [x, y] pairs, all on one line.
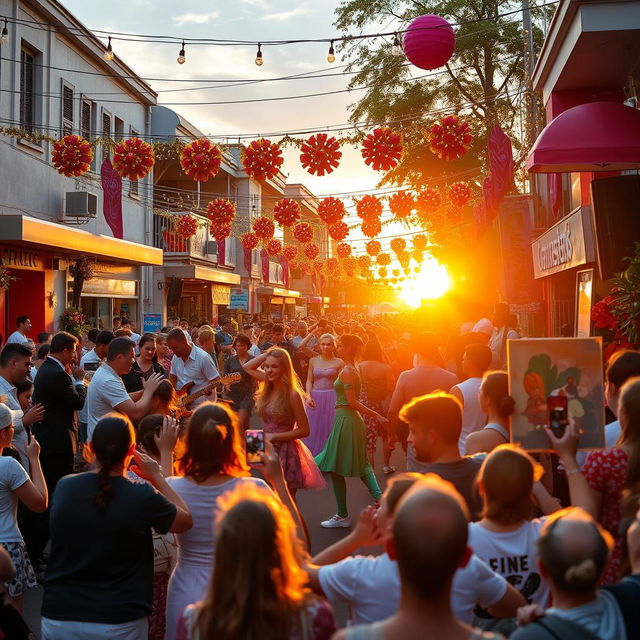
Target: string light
{"points": [[182, 58], [331, 57], [396, 47], [108, 53], [259, 60], [4, 38]]}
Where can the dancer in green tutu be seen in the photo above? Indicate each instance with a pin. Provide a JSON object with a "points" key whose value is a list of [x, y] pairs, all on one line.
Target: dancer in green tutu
{"points": [[345, 453]]}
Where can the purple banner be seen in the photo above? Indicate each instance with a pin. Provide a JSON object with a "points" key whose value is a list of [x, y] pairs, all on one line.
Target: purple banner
{"points": [[112, 191], [222, 250], [264, 261]]}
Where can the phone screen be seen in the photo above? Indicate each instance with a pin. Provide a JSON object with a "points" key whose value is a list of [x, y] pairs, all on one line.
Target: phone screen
{"points": [[254, 439], [91, 366], [558, 415]]}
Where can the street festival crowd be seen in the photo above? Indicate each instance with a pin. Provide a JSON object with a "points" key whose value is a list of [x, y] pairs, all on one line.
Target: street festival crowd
{"points": [[128, 490]]}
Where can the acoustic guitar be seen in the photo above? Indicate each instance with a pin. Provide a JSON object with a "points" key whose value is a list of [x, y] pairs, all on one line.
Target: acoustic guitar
{"points": [[186, 398]]}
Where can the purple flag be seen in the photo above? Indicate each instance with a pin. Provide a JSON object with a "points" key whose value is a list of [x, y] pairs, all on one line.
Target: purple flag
{"points": [[112, 203], [222, 250]]}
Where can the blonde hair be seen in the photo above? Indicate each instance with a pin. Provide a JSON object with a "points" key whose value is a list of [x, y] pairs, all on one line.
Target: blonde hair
{"points": [[328, 336], [205, 332], [278, 400]]}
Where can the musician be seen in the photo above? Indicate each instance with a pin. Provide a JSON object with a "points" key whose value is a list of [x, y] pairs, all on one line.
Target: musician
{"points": [[190, 364]]}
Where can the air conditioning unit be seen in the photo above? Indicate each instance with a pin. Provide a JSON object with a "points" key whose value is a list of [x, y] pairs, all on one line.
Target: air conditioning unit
{"points": [[80, 204]]}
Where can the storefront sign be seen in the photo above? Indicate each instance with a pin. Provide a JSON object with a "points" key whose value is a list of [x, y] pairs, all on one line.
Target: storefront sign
{"points": [[239, 299], [568, 244], [110, 287], [20, 258], [584, 296], [289, 300], [220, 294], [151, 322]]}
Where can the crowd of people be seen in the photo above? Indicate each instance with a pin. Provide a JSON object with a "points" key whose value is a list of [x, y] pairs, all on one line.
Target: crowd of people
{"points": [[125, 487]]}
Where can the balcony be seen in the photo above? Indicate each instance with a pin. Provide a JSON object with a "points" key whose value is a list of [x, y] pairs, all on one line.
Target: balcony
{"points": [[200, 246]]}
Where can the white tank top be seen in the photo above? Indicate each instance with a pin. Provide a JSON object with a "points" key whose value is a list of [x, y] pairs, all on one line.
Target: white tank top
{"points": [[473, 419]]}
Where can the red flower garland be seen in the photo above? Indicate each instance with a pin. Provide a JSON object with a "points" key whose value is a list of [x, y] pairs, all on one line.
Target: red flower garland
{"points": [[382, 149], [338, 231], [428, 200], [219, 231], [343, 250], [72, 156], [420, 242], [286, 212], [450, 138], [311, 250], [200, 160], [371, 227], [373, 247], [398, 245], [383, 259], [459, 194], [320, 154], [318, 264], [333, 266], [273, 247], [331, 210], [382, 272], [364, 262], [187, 226], [303, 232], [133, 158], [402, 204], [369, 207], [264, 227], [249, 240], [221, 211], [262, 159], [290, 252]]}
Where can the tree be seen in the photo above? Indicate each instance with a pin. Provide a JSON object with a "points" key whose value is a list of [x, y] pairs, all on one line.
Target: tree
{"points": [[485, 78]]}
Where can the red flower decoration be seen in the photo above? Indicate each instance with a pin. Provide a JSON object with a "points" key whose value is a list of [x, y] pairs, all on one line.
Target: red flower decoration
{"points": [[403, 258], [338, 231], [286, 212], [317, 265], [331, 210], [219, 231], [371, 227], [320, 154], [187, 226], [382, 272], [333, 266], [382, 149], [402, 204], [249, 240], [373, 248], [418, 256], [419, 242], [200, 160], [273, 247], [133, 158], [450, 138], [72, 156], [293, 265], [459, 194], [264, 227], [398, 245], [383, 259], [290, 252], [343, 250], [428, 200], [221, 212], [311, 250], [262, 159], [364, 262], [602, 316], [369, 207], [303, 232]]}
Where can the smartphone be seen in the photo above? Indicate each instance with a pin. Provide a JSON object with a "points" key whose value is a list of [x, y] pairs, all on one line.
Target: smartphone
{"points": [[254, 444], [91, 366], [558, 415]]}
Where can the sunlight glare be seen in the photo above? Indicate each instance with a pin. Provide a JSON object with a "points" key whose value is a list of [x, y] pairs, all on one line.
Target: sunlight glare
{"points": [[433, 281]]}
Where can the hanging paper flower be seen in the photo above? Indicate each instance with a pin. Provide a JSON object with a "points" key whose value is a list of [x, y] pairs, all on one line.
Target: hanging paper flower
{"points": [[398, 245], [317, 265], [428, 200], [364, 261], [343, 250], [286, 212], [338, 231], [303, 232], [273, 247], [219, 231], [371, 227], [382, 272], [133, 158], [369, 207], [331, 210], [373, 247], [264, 227], [262, 159], [403, 259], [289, 252], [221, 211], [311, 250], [402, 204], [293, 265], [187, 226], [418, 255], [459, 194], [333, 266], [395, 272], [382, 149], [419, 242], [320, 154], [383, 259], [200, 160], [72, 156], [450, 137], [249, 240]]}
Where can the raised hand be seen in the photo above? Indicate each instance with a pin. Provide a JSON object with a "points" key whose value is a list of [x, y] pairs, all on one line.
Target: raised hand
{"points": [[168, 436], [34, 414], [153, 382], [145, 466]]}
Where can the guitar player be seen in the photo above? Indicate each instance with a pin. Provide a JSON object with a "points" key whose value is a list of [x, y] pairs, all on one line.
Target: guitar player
{"points": [[191, 364]]}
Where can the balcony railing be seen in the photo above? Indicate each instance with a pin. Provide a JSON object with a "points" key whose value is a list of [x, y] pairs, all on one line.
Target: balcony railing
{"points": [[200, 246]]}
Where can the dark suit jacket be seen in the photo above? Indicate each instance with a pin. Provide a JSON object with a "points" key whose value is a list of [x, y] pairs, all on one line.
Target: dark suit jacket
{"points": [[55, 389]]}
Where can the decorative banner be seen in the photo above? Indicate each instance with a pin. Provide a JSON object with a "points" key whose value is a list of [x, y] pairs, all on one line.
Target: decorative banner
{"points": [[72, 156], [264, 260], [285, 271], [200, 160], [382, 149], [247, 259], [222, 250], [262, 159], [133, 158], [112, 201]]}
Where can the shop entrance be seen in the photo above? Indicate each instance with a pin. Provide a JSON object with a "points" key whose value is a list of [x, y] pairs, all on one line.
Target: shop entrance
{"points": [[26, 297]]}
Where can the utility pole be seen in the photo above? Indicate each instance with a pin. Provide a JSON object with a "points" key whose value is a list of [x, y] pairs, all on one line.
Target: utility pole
{"points": [[529, 64]]}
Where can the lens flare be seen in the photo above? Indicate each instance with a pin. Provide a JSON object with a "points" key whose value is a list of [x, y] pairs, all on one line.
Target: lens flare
{"points": [[432, 282]]}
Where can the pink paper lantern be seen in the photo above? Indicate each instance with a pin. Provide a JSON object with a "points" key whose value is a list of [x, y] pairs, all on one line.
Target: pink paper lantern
{"points": [[429, 42]]}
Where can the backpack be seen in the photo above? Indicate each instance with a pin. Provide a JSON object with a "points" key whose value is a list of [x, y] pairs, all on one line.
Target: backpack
{"points": [[627, 595]]}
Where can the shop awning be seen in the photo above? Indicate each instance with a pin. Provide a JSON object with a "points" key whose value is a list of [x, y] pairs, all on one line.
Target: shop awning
{"points": [[277, 291], [52, 236], [592, 137], [199, 272]]}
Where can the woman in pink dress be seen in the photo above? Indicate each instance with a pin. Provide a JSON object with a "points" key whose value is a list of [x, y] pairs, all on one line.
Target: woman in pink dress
{"points": [[280, 403]]}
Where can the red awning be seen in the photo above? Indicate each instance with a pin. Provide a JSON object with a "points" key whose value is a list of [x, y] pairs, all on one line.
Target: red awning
{"points": [[597, 136]]}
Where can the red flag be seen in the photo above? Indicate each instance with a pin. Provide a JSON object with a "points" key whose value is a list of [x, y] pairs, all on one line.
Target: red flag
{"points": [[112, 202], [500, 161], [285, 271], [222, 250], [264, 258], [247, 260]]}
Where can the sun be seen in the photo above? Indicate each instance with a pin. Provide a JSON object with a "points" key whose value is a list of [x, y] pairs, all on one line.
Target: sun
{"points": [[432, 282]]}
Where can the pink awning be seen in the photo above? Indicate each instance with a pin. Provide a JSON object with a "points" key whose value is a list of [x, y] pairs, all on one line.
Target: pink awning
{"points": [[597, 136]]}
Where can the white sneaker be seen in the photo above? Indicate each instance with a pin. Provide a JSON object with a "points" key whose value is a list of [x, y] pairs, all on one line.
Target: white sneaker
{"points": [[336, 522]]}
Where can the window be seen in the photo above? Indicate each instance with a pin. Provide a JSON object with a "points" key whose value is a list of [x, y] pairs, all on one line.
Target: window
{"points": [[67, 110], [27, 90], [133, 184], [118, 129], [86, 119], [106, 124]]}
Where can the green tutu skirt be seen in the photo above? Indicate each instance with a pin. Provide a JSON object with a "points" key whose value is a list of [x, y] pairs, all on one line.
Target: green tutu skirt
{"points": [[345, 452]]}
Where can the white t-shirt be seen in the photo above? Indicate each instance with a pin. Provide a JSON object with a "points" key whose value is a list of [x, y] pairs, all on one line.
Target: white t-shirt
{"points": [[371, 586], [106, 392], [498, 345], [513, 555], [199, 369], [12, 476], [254, 350], [90, 357], [473, 418], [18, 337]]}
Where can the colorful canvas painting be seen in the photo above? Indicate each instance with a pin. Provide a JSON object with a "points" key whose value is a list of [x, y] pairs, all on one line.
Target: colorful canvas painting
{"points": [[543, 367]]}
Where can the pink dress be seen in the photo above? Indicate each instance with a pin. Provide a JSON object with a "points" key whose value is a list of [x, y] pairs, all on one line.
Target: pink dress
{"points": [[321, 416], [299, 468]]}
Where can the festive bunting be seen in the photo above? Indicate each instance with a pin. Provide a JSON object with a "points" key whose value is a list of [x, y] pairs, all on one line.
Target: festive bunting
{"points": [[338, 231], [382, 149], [369, 207], [200, 160], [133, 158], [373, 247], [320, 154], [262, 159], [72, 156], [187, 226], [311, 250], [221, 212], [286, 212]]}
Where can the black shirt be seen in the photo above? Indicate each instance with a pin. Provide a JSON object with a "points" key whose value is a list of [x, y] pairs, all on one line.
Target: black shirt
{"points": [[101, 566], [133, 379]]}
